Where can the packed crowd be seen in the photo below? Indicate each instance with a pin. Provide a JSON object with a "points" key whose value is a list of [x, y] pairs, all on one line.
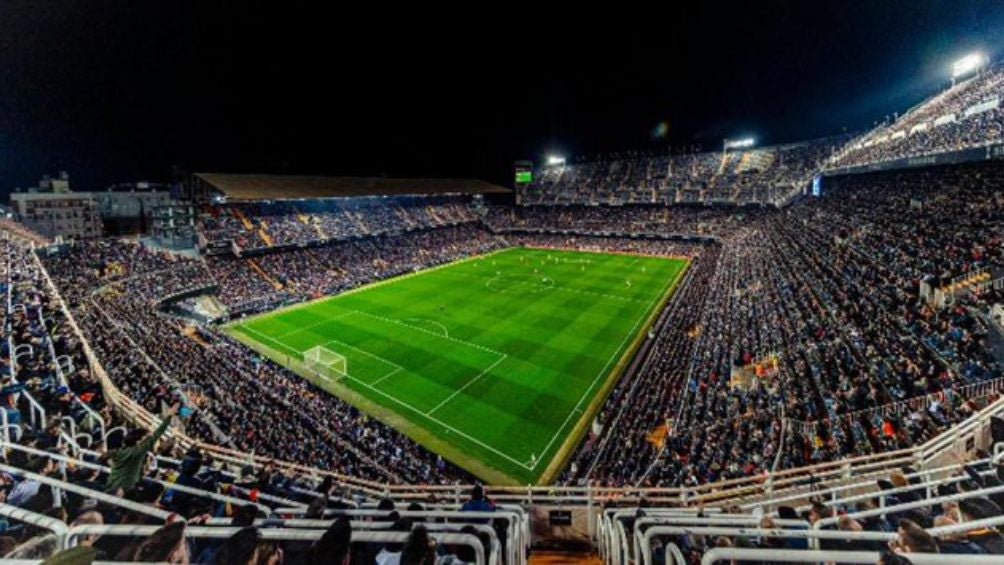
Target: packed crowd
{"points": [[54, 404], [762, 175], [258, 225], [150, 355], [830, 289], [103, 472], [660, 220], [823, 297], [890, 525], [72, 462], [966, 115]]}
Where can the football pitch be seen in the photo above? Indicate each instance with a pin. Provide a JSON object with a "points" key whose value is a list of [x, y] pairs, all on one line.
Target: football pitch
{"points": [[496, 362]]}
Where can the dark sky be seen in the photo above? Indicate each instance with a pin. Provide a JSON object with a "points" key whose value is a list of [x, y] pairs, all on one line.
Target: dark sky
{"points": [[122, 90]]}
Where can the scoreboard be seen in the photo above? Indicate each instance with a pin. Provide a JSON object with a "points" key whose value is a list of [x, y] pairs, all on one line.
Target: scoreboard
{"points": [[523, 173]]}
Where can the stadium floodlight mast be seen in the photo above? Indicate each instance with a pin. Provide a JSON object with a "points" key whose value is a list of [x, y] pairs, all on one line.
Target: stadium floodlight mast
{"points": [[555, 160], [969, 64]]}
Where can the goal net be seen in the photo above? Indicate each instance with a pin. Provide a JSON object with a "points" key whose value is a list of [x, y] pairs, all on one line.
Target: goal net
{"points": [[325, 362]]}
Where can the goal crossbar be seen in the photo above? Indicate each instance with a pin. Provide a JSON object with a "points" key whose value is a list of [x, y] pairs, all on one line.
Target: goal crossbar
{"points": [[326, 362]]}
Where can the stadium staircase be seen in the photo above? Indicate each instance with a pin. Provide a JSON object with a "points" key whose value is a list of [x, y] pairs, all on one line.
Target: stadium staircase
{"points": [[309, 221], [431, 211], [726, 165], [320, 231], [240, 215], [756, 161], [268, 278], [357, 219], [264, 235], [561, 558], [190, 333]]}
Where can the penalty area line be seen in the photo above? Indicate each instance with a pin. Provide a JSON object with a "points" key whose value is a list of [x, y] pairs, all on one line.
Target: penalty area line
{"points": [[421, 414]]}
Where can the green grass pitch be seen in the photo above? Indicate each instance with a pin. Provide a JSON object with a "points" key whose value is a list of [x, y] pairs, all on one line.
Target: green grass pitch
{"points": [[497, 362]]}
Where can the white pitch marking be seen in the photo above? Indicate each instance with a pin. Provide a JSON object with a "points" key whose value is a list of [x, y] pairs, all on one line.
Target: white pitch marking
{"points": [[469, 383], [416, 410], [316, 324], [602, 372], [430, 332], [446, 332]]}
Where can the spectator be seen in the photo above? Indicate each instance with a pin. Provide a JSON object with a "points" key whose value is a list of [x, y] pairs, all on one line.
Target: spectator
{"points": [[478, 502], [420, 549], [911, 538], [334, 545], [127, 463]]}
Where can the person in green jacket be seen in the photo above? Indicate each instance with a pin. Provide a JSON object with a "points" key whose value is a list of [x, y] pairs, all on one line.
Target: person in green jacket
{"points": [[127, 462]]}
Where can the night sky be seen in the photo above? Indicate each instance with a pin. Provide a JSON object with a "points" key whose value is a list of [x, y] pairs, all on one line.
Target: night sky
{"points": [[123, 90]]}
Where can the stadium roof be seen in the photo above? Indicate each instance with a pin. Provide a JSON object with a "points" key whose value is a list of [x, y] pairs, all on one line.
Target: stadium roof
{"points": [[283, 187]]}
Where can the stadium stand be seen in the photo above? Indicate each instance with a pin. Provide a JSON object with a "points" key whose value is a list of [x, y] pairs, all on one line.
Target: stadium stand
{"points": [[263, 225], [755, 176], [824, 386], [965, 116], [866, 371], [76, 474]]}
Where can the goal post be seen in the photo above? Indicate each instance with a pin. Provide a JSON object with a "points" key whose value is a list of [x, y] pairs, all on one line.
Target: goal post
{"points": [[325, 362]]}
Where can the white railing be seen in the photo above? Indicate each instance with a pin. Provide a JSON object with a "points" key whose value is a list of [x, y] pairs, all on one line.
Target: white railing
{"points": [[38, 520], [144, 509], [969, 391], [926, 503], [798, 556], [516, 524], [168, 485], [76, 533], [811, 536]]}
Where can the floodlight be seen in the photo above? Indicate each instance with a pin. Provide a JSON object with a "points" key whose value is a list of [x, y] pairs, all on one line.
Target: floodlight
{"points": [[739, 143], [968, 64], [555, 160]]}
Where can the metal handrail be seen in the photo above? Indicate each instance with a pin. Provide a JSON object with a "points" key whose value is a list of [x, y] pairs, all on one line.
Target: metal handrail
{"points": [[809, 556], [166, 484], [833, 492], [274, 534], [645, 539], [514, 534], [881, 495], [807, 534], [35, 519], [681, 522], [363, 525], [911, 505], [673, 555], [89, 493]]}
